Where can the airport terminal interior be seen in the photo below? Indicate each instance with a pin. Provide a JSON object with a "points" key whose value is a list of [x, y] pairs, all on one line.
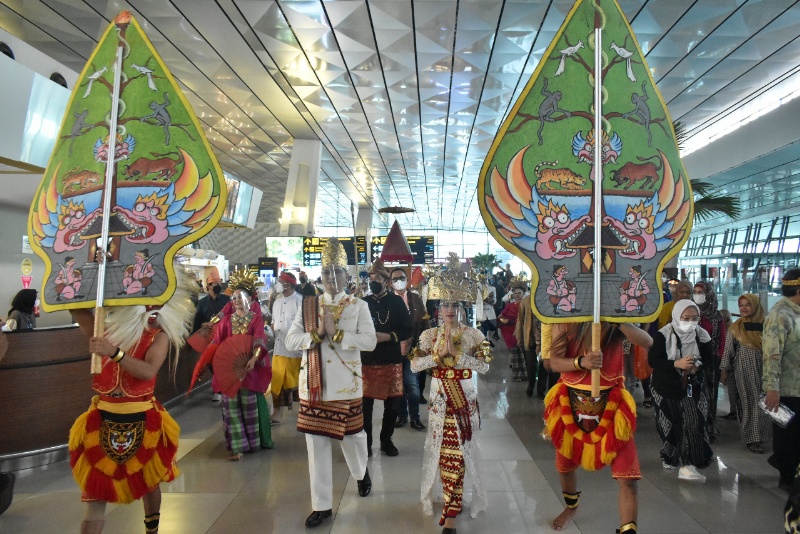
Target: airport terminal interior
{"points": [[348, 119]]}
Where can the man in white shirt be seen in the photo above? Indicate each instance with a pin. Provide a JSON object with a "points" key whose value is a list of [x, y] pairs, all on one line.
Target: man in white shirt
{"points": [[332, 330], [285, 362]]}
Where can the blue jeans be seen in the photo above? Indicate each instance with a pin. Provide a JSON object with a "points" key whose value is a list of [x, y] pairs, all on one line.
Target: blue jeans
{"points": [[410, 406]]}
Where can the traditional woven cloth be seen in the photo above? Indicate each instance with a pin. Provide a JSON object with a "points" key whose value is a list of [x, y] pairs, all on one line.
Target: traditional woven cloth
{"points": [[451, 469], [383, 381], [240, 421], [334, 419], [310, 322], [120, 452]]}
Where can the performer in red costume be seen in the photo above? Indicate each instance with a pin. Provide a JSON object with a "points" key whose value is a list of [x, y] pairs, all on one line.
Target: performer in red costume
{"points": [[593, 432], [125, 444]]}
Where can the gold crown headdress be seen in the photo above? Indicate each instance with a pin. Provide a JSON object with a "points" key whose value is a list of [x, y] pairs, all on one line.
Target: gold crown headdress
{"points": [[521, 281], [334, 254], [450, 282], [244, 279]]}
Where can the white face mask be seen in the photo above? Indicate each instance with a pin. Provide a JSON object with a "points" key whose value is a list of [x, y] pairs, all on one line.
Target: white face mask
{"points": [[399, 285], [686, 326], [278, 287], [699, 298]]}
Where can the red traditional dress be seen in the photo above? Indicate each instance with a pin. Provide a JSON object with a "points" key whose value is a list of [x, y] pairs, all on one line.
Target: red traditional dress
{"points": [[588, 432], [125, 444]]}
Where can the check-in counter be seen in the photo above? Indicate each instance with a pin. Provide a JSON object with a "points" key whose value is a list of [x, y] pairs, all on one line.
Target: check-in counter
{"points": [[45, 384]]}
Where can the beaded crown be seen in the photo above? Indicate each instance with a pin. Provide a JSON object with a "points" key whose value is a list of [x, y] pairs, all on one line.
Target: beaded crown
{"points": [[244, 279], [334, 254], [519, 281], [450, 282]]}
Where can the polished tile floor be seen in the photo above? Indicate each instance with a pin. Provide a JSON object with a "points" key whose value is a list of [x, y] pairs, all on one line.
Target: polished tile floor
{"points": [[268, 491]]}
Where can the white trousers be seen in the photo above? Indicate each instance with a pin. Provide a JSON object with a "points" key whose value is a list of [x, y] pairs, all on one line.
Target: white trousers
{"points": [[320, 465]]}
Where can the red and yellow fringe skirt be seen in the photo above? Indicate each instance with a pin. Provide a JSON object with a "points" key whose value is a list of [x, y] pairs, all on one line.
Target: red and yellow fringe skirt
{"points": [[121, 451], [591, 450]]}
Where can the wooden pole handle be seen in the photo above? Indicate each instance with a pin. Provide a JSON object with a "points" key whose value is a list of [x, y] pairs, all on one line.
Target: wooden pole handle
{"points": [[596, 332], [99, 330]]}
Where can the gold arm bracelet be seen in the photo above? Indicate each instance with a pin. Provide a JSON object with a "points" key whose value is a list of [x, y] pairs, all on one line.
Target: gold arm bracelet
{"points": [[117, 357], [576, 363], [315, 337]]}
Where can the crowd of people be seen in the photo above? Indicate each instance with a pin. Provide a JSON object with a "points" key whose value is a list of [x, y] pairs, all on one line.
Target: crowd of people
{"points": [[337, 350]]}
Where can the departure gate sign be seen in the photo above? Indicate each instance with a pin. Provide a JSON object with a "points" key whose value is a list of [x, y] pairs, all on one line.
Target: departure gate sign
{"points": [[421, 247], [312, 250]]}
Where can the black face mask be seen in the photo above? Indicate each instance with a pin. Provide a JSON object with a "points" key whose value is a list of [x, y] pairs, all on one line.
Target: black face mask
{"points": [[303, 279], [214, 289], [375, 287]]}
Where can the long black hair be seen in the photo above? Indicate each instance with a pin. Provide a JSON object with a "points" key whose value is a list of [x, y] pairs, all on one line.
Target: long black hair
{"points": [[24, 301]]}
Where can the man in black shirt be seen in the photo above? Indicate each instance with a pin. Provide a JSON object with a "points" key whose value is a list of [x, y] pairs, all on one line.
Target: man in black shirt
{"points": [[305, 287], [382, 369], [211, 305], [208, 307]]}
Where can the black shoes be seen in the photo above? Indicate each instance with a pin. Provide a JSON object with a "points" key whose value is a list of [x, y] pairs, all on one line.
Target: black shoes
{"points": [[369, 452], [6, 490], [423, 400], [364, 485], [316, 518], [389, 448], [529, 391], [416, 424], [733, 416], [447, 530], [401, 421]]}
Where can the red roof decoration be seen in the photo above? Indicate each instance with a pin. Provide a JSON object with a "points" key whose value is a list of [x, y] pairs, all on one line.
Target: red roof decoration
{"points": [[396, 247]]}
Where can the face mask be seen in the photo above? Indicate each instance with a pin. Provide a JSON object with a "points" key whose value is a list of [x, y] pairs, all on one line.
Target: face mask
{"points": [[278, 287], [375, 287], [399, 285], [303, 279], [686, 326], [214, 289], [699, 298]]}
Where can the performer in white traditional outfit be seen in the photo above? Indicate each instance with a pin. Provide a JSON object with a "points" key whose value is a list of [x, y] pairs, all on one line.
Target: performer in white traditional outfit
{"points": [[285, 362], [332, 330], [454, 353]]}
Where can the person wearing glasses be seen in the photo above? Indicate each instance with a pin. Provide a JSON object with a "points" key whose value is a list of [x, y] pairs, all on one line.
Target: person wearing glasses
{"points": [[382, 368], [409, 405], [332, 330], [681, 354]]}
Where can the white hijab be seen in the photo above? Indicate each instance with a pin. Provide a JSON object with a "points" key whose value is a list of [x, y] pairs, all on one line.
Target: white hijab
{"points": [[688, 340]]}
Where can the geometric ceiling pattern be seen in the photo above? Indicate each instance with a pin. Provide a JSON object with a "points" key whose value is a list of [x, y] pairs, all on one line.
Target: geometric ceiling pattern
{"points": [[405, 96]]}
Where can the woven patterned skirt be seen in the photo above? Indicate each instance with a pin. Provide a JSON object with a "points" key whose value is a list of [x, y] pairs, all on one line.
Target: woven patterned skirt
{"points": [[334, 419]]}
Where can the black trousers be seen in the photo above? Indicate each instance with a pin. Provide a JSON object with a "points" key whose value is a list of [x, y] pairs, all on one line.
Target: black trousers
{"points": [[786, 442], [547, 380], [391, 408], [530, 367]]}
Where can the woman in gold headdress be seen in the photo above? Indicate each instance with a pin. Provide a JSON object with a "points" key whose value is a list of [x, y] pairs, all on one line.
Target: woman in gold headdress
{"points": [[247, 428], [453, 352]]}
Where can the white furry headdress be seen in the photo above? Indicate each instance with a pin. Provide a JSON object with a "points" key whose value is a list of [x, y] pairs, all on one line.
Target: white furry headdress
{"points": [[125, 324]]}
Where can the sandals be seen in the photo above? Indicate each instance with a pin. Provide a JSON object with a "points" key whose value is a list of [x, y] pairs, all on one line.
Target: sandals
{"points": [[235, 457]]}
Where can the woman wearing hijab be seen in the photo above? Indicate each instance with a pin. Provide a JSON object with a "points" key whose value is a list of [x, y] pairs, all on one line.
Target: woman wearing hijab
{"points": [[742, 352], [680, 291], [680, 355], [21, 315], [712, 322]]}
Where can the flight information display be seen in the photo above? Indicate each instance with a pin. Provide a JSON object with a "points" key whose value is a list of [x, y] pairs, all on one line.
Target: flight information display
{"points": [[312, 250], [421, 247]]}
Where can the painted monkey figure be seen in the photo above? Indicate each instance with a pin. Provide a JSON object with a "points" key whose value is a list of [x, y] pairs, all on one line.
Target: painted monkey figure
{"points": [[77, 128], [548, 107], [642, 111], [161, 115]]}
